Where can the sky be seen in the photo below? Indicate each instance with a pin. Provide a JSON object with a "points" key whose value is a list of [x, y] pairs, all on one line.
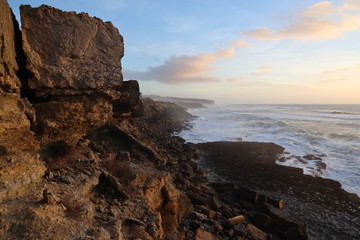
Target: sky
{"points": [[235, 51]]}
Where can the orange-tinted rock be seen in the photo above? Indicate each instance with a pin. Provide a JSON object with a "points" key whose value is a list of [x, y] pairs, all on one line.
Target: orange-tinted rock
{"points": [[75, 61], [69, 51], [201, 234], [13, 121]]}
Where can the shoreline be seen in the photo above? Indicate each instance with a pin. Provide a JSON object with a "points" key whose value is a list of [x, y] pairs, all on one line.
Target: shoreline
{"points": [[321, 155], [327, 209]]}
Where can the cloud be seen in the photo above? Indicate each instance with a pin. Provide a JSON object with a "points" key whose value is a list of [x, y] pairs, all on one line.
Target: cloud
{"points": [[262, 71], [352, 5], [240, 44], [338, 70], [318, 22], [334, 80], [343, 70], [274, 84], [235, 80], [183, 69]]}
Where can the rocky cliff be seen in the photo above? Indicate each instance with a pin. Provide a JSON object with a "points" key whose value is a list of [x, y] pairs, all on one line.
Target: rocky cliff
{"points": [[82, 156], [75, 66], [19, 165], [14, 122]]}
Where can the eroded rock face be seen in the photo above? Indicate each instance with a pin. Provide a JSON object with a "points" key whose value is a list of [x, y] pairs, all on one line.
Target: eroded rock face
{"points": [[76, 65], [129, 100], [163, 196], [68, 51], [13, 121], [8, 65], [71, 117]]}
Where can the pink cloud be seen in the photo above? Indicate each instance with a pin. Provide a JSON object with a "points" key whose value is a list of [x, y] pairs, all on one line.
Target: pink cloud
{"points": [[318, 22], [183, 69], [262, 71], [240, 44], [334, 80], [235, 80], [338, 70]]}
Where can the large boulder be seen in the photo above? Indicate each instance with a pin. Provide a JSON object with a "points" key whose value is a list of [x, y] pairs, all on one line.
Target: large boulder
{"points": [[75, 61], [69, 52]]}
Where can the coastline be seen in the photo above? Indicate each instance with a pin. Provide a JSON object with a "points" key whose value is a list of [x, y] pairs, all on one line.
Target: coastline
{"points": [[329, 211], [84, 156], [315, 139]]}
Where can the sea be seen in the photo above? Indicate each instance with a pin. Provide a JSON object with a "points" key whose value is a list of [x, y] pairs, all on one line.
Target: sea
{"points": [[323, 140]]}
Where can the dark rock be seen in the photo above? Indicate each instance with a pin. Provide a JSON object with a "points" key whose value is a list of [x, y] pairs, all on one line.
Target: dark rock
{"points": [[285, 221], [214, 203], [249, 195], [222, 187], [262, 221], [240, 229], [129, 99], [254, 233]]}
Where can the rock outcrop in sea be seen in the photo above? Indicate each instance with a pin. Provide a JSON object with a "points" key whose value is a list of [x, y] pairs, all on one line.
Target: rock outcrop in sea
{"points": [[84, 156]]}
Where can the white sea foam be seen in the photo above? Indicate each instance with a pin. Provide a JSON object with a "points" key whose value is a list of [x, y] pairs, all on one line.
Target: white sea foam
{"points": [[329, 131]]}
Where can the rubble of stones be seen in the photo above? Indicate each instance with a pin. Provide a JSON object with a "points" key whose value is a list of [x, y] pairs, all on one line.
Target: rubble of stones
{"points": [[84, 157]]}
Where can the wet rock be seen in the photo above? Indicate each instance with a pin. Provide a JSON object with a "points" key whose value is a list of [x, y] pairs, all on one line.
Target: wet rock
{"points": [[222, 187], [249, 195], [262, 221], [285, 221]]}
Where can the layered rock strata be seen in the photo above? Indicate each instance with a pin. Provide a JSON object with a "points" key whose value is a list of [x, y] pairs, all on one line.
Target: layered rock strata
{"points": [[13, 121], [75, 61], [19, 165]]}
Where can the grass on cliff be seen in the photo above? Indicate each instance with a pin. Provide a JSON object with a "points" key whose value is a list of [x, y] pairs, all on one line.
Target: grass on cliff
{"points": [[3, 150], [120, 169], [59, 153], [73, 208]]}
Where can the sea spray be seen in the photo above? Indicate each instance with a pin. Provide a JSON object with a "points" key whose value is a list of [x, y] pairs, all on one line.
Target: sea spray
{"points": [[329, 135]]}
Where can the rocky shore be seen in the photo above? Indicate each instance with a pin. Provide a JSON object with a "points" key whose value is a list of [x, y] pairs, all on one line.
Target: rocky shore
{"points": [[328, 211], [83, 156]]}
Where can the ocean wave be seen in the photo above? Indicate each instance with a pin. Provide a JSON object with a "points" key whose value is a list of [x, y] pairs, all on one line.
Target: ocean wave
{"points": [[316, 130], [336, 111]]}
